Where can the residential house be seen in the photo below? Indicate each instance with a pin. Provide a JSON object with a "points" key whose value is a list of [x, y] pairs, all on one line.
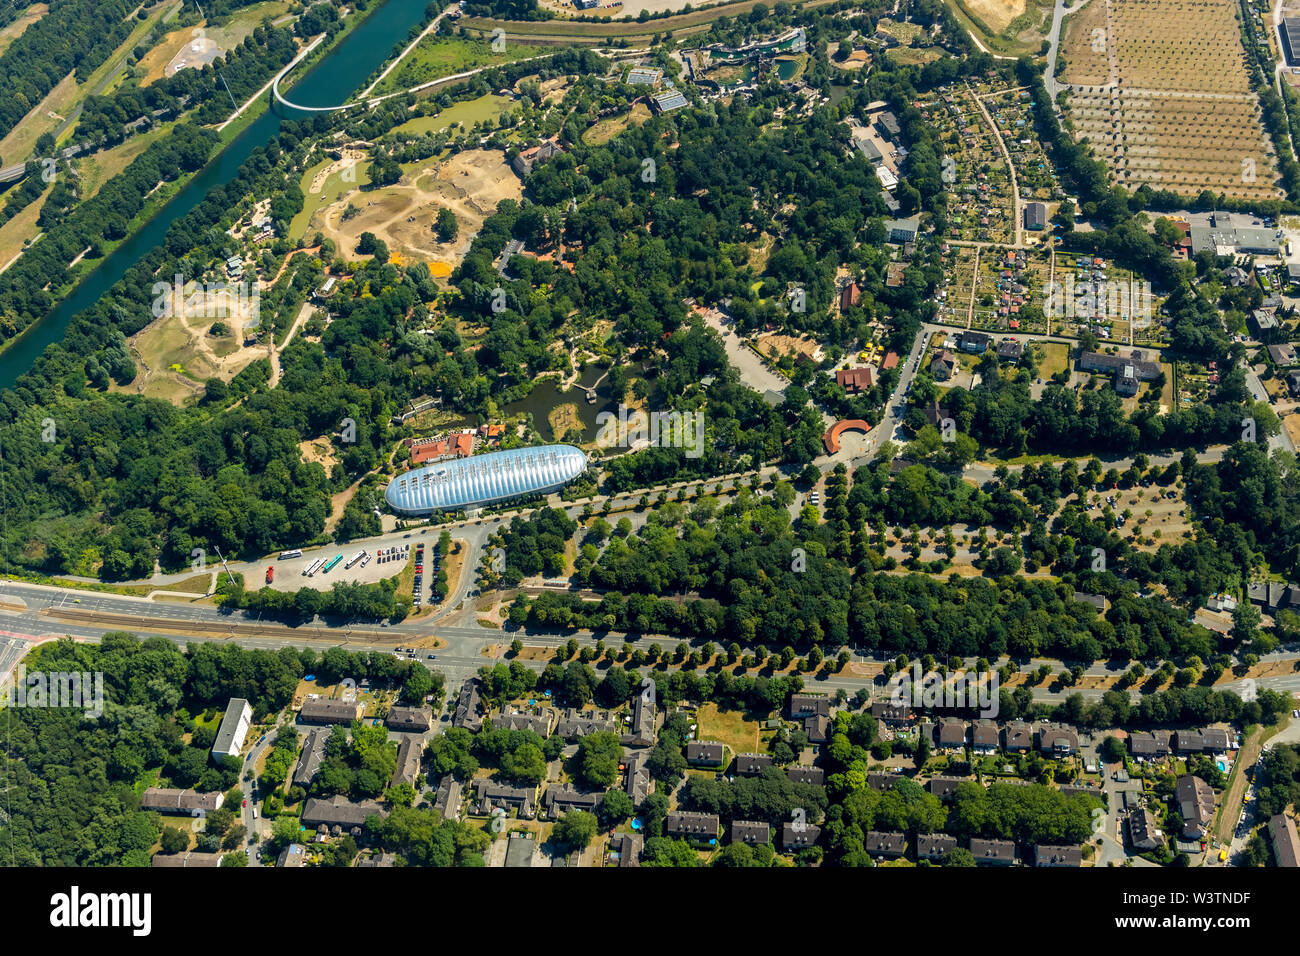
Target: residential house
{"points": [[560, 800], [944, 787], [1058, 740], [853, 380], [576, 724], [492, 794], [934, 846], [882, 843], [637, 780], [339, 814], [1009, 350], [415, 720], [1282, 354], [629, 846], [318, 710], [1272, 596], [976, 343], [539, 723], [408, 761], [750, 832], [1057, 856], [817, 728], [1142, 831], [813, 776], [693, 827], [642, 733], [295, 854], [1149, 745], [704, 753], [447, 800], [993, 852], [984, 736], [469, 707], [233, 729], [751, 765], [891, 712], [808, 705], [884, 781], [1128, 370], [952, 734], [1017, 737], [943, 365], [313, 752], [1286, 844], [188, 802], [798, 836], [1195, 804]]}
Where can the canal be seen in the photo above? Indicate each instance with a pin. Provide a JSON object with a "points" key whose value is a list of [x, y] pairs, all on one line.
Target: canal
{"points": [[331, 81]]}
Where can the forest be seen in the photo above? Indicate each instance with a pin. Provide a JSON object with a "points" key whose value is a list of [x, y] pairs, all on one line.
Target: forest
{"points": [[76, 35]]}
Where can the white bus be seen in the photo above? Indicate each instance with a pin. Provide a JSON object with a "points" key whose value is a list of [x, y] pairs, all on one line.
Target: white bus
{"points": [[354, 559], [295, 553], [313, 567]]}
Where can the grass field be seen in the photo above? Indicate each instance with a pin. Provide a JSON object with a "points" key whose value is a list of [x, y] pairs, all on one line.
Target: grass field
{"points": [[728, 727], [435, 57], [17, 231], [99, 168], [605, 130], [323, 185], [468, 112]]}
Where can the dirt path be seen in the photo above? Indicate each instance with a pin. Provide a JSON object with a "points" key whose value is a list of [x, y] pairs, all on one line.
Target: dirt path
{"points": [[1231, 811], [266, 284], [275, 351], [1011, 167]]}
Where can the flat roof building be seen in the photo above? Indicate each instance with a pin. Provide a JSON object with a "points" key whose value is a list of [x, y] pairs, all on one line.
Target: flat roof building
{"points": [[165, 800], [234, 728]]}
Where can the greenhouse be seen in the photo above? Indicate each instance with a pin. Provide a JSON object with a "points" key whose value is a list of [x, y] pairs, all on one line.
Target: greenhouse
{"points": [[485, 479]]}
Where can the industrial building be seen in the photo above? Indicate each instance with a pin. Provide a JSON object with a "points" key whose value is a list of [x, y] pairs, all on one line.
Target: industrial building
{"points": [[1290, 35], [485, 479]]}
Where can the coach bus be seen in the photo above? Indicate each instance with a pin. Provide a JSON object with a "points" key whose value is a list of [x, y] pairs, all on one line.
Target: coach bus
{"points": [[330, 564], [314, 567], [296, 553]]}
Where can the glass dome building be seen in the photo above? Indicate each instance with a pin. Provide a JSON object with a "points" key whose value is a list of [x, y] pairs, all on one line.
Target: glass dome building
{"points": [[485, 479]]}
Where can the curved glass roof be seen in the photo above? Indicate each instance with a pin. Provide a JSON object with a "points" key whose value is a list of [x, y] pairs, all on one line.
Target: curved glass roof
{"points": [[485, 479]]}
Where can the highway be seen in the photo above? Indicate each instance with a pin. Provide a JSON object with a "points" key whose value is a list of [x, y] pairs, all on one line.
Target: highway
{"points": [[464, 645]]}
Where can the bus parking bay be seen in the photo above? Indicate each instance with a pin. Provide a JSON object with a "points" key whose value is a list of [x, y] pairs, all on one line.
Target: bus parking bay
{"points": [[290, 573]]}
